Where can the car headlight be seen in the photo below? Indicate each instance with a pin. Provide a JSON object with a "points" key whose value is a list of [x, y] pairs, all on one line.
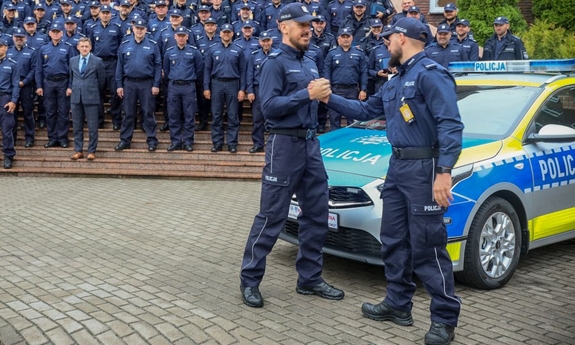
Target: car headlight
{"points": [[346, 197]]}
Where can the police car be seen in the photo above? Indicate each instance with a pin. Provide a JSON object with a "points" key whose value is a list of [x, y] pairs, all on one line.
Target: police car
{"points": [[513, 185]]}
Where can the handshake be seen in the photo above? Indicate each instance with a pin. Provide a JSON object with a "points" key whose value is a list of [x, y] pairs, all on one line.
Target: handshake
{"points": [[319, 90]]}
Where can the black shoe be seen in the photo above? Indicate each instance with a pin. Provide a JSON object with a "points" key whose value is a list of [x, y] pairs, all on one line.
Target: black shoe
{"points": [[383, 312], [152, 147], [165, 127], [202, 127], [122, 146], [232, 148], [41, 124], [29, 143], [8, 165], [174, 147], [439, 334], [116, 127], [189, 147], [252, 297], [51, 143], [217, 147], [256, 149], [323, 290], [64, 144]]}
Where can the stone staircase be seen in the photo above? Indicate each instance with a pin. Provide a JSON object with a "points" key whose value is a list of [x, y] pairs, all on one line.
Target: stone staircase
{"points": [[137, 161]]}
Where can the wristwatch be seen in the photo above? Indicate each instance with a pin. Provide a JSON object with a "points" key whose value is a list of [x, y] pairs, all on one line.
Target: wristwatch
{"points": [[443, 170]]}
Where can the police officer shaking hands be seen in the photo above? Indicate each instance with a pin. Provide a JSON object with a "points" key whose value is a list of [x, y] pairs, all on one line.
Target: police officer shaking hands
{"points": [[290, 89], [424, 128]]}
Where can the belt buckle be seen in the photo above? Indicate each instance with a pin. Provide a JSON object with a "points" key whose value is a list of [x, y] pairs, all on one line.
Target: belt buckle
{"points": [[397, 151], [309, 134]]}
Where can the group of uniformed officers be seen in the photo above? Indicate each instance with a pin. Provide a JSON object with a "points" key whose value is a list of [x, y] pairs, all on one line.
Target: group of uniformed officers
{"points": [[199, 56]]}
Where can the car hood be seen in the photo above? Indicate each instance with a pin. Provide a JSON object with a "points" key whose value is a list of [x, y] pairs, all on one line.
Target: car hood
{"points": [[355, 156]]}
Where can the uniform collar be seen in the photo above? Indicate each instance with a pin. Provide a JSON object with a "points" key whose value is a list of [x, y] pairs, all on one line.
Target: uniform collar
{"points": [[292, 51], [407, 65]]}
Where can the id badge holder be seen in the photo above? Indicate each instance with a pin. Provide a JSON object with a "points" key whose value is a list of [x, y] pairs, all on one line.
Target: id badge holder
{"points": [[406, 112]]}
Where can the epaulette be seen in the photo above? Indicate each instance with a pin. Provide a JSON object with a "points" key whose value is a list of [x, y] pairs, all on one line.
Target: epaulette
{"points": [[193, 47], [358, 48], [256, 51], [91, 26], [333, 48], [81, 34], [126, 41], [10, 59], [154, 42], [274, 54], [172, 47], [431, 66], [68, 44]]}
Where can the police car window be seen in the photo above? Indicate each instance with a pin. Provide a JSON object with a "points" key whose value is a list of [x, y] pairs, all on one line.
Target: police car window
{"points": [[492, 112], [375, 124], [559, 109]]}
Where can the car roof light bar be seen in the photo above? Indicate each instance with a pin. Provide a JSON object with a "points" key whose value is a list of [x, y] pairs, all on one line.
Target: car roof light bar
{"points": [[524, 66]]}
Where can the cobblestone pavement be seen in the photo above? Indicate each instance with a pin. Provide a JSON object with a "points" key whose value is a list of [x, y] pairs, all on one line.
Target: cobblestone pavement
{"points": [[137, 261]]}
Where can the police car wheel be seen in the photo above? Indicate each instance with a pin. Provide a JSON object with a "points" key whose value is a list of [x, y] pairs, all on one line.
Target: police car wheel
{"points": [[493, 246]]}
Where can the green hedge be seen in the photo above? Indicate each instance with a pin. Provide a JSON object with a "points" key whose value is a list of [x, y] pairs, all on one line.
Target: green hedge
{"points": [[559, 12], [546, 40]]}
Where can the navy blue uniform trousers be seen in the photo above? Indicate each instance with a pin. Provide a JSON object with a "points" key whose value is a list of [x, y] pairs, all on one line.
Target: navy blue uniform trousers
{"points": [[57, 106], [292, 165], [413, 240], [8, 122], [142, 91], [346, 92], [225, 93], [182, 104], [26, 101], [115, 100], [258, 119]]}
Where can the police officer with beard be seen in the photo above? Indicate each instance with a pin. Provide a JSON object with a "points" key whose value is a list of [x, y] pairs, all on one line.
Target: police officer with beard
{"points": [[503, 45], [425, 130]]}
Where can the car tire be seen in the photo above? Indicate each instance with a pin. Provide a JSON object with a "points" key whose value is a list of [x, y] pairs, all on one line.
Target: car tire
{"points": [[493, 246]]}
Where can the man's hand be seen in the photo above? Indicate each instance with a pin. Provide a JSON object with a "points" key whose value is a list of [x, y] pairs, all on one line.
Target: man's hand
{"points": [[21, 83], [251, 97], [319, 90], [207, 94], [120, 92], [362, 95], [40, 92], [241, 95], [10, 107], [68, 92], [155, 91], [442, 189], [382, 73]]}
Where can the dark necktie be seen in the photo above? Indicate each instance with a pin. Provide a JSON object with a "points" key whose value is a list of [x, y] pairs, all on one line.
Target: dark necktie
{"points": [[83, 67]]}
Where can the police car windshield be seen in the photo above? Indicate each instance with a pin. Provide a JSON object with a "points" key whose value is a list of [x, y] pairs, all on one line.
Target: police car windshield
{"points": [[375, 124], [492, 112]]}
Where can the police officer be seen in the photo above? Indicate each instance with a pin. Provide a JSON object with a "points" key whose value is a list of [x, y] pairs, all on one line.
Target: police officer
{"points": [[255, 61], [270, 13], [464, 39], [204, 42], [358, 22], [22, 8], [415, 12], [72, 35], [53, 9], [236, 10], [246, 38], [106, 38], [320, 37], [159, 20], [425, 131], [123, 18], [183, 66], [377, 68], [289, 94], [65, 12], [346, 69], [246, 16], [503, 45], [445, 50], [187, 12], [224, 84], [338, 10], [34, 39], [10, 20], [26, 58], [93, 18], [373, 39], [42, 20], [9, 93], [450, 17], [138, 76], [52, 79], [222, 14], [405, 6], [203, 15]]}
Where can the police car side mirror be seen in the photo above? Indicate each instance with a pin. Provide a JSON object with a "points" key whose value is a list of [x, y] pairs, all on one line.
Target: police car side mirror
{"points": [[553, 133]]}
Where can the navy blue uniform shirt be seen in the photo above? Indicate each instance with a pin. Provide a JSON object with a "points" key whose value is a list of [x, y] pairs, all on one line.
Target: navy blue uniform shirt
{"points": [[284, 78], [378, 60], [9, 78], [510, 47], [36, 40], [346, 68], [139, 60], [26, 60], [254, 66], [185, 63], [429, 90], [204, 43], [53, 61], [469, 45], [451, 53], [105, 39], [225, 62]]}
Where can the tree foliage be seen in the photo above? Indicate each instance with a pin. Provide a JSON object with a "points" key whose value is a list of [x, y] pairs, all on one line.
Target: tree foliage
{"points": [[481, 14], [553, 11], [545, 40]]}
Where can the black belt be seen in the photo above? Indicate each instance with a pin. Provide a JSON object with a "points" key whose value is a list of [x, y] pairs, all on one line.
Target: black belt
{"points": [[183, 82], [415, 152], [138, 79], [57, 78], [346, 86], [302, 133], [5, 94], [227, 79], [108, 58]]}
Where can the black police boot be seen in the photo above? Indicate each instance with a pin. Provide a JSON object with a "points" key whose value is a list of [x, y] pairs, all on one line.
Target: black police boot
{"points": [[323, 290], [439, 334], [217, 147], [252, 296], [383, 312], [8, 162]]}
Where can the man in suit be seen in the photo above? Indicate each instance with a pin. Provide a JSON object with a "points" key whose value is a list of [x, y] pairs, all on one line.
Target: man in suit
{"points": [[87, 79]]}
